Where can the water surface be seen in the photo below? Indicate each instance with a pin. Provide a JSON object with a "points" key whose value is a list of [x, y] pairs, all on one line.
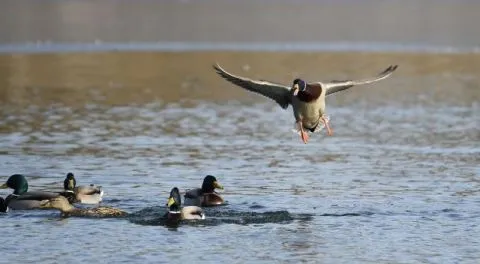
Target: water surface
{"points": [[122, 94], [398, 181]]}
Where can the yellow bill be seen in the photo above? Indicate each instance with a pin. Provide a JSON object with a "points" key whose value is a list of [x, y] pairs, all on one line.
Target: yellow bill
{"points": [[170, 201], [217, 185]]}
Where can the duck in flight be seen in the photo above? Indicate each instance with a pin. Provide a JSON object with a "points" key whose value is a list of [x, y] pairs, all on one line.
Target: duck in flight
{"points": [[307, 99]]}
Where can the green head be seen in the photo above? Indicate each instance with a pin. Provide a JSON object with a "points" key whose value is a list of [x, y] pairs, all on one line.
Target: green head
{"points": [[174, 202], [210, 183], [69, 183], [18, 183]]}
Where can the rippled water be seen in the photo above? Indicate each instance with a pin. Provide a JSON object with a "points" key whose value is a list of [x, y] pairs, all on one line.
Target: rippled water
{"points": [[398, 181]]}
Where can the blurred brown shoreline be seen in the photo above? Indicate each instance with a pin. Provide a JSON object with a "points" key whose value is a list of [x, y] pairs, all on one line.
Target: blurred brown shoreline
{"points": [[122, 78]]}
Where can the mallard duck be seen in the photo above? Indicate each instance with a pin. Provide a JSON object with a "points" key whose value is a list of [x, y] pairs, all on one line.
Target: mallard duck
{"points": [[21, 198], [3, 205], [206, 195], [307, 99], [62, 204], [176, 212], [81, 194]]}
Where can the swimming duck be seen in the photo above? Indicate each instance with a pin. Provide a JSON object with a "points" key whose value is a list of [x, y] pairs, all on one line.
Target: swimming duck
{"points": [[3, 206], [205, 196], [21, 198], [81, 194], [62, 204], [307, 99], [176, 212]]}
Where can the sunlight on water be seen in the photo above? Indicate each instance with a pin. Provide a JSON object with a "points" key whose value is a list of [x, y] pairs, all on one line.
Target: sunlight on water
{"points": [[124, 96], [399, 172]]}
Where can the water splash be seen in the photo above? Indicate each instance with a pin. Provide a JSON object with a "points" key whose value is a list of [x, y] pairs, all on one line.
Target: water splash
{"points": [[155, 216]]}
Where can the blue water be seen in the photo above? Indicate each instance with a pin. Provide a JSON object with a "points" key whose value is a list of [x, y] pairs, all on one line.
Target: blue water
{"points": [[386, 191], [399, 182]]}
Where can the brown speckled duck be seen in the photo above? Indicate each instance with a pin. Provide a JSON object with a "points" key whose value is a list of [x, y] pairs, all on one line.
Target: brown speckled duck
{"points": [[307, 99], [205, 196], [62, 204]]}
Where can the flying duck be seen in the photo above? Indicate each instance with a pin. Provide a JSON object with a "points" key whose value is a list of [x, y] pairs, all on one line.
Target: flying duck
{"points": [[307, 99]]}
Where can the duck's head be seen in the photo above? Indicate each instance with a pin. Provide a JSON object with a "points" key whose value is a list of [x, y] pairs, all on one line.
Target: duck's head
{"points": [[298, 86], [69, 183], [210, 183], [59, 202], [174, 202], [18, 183]]}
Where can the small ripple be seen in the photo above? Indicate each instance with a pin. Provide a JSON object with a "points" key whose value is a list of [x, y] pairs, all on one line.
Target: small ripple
{"points": [[348, 214]]}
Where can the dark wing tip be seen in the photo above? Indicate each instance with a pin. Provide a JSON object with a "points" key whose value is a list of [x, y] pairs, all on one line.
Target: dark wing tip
{"points": [[390, 69], [217, 68], [221, 72]]}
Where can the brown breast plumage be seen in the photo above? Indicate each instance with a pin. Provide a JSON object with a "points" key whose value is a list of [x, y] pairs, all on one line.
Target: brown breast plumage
{"points": [[311, 93], [211, 199]]}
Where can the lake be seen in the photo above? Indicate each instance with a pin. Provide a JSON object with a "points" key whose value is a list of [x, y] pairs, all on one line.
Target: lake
{"points": [[398, 182]]}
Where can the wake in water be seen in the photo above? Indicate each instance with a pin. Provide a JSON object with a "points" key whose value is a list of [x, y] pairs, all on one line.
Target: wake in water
{"points": [[154, 216]]}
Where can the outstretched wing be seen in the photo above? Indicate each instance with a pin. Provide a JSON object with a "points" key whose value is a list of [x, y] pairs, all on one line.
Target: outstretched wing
{"points": [[278, 92], [337, 86]]}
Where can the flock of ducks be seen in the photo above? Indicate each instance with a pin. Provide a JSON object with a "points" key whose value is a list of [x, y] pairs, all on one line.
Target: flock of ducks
{"points": [[308, 103], [64, 201]]}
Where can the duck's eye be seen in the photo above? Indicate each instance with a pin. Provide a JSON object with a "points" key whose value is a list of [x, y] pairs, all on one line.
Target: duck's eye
{"points": [[302, 85]]}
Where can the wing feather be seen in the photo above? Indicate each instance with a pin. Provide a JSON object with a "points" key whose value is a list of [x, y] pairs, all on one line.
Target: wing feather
{"points": [[337, 86], [278, 92]]}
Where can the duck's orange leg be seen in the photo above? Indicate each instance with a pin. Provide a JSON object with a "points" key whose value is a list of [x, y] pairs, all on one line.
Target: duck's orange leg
{"points": [[303, 134], [325, 122]]}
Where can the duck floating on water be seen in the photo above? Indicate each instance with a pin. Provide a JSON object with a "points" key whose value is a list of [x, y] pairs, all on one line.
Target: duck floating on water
{"points": [[307, 99], [81, 194], [176, 212], [21, 198], [205, 196], [63, 205]]}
